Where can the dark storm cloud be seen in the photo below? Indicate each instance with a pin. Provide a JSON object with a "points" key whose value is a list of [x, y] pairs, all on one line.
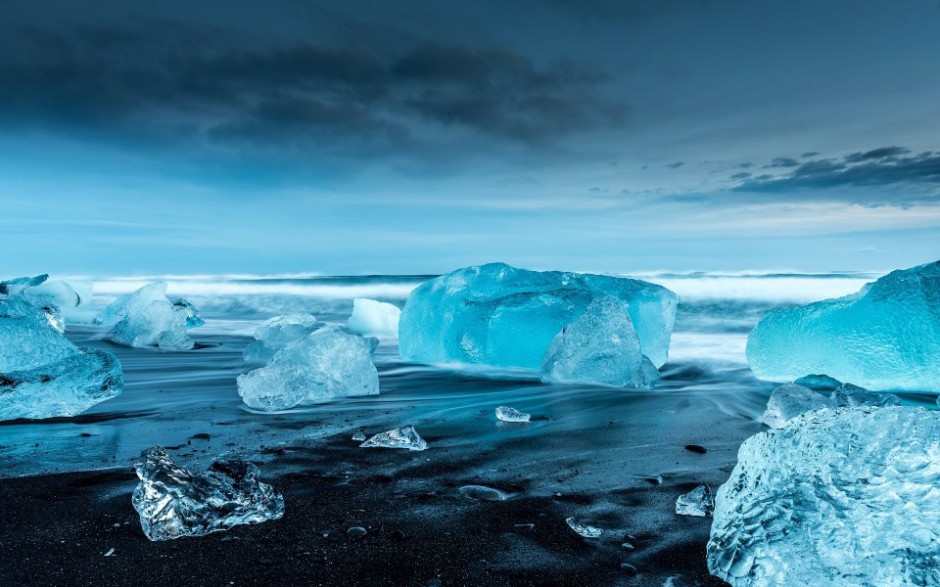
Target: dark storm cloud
{"points": [[886, 166], [182, 82]]}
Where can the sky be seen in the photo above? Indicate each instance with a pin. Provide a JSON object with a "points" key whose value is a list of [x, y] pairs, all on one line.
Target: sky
{"points": [[416, 137]]}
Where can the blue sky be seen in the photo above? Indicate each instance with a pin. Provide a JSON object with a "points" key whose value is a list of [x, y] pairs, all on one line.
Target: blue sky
{"points": [[597, 135]]}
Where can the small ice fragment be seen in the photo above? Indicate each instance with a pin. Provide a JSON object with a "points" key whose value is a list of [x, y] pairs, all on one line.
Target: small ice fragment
{"points": [[330, 363], [601, 347], [374, 318], [525, 527], [627, 546], [404, 437], [356, 532], [507, 414], [483, 493], [789, 401], [172, 502], [848, 395], [818, 382], [699, 502], [583, 529], [278, 332], [147, 318], [359, 436], [110, 552]]}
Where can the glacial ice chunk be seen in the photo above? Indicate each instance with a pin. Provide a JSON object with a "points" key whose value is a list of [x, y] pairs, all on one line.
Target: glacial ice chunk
{"points": [[404, 437], [507, 414], [885, 337], [483, 493], [700, 502], [30, 336], [583, 529], [66, 387], [848, 395], [843, 496], [147, 318], [500, 316], [278, 332], [789, 401], [172, 502], [327, 364], [56, 296], [818, 382], [374, 318], [600, 347]]}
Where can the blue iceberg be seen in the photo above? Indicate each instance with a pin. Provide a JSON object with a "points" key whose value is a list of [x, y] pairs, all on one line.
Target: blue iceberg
{"points": [[374, 318], [600, 347], [842, 496], [499, 316], [44, 375], [327, 364], [148, 318], [885, 337]]}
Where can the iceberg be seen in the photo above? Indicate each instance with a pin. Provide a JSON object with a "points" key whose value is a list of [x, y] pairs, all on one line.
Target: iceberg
{"points": [[844, 496], [278, 332], [327, 364], [374, 318], [790, 400], [42, 291], [507, 414], [499, 316], [884, 337], [44, 375], [147, 318], [172, 502], [405, 437], [600, 347], [64, 388], [700, 502]]}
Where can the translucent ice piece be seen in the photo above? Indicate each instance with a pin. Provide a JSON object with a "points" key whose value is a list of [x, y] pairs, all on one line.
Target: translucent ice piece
{"points": [[789, 401], [583, 529], [818, 382], [600, 347], [483, 493], [327, 364], [885, 337], [374, 318], [147, 318], [404, 437], [500, 316], [838, 497], [172, 502], [699, 502], [66, 387], [848, 395], [278, 332], [507, 414], [30, 336]]}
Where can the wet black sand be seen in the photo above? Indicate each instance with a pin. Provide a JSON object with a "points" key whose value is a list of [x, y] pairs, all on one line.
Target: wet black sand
{"points": [[421, 531]]}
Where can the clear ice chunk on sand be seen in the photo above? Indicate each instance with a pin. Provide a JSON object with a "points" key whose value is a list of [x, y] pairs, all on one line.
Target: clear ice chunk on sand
{"points": [[600, 347], [483, 493], [30, 336], [885, 337], [789, 401], [172, 502], [147, 318], [327, 364], [278, 332], [404, 437], [583, 529], [842, 496], [66, 387], [499, 316], [700, 502], [507, 414], [374, 318]]}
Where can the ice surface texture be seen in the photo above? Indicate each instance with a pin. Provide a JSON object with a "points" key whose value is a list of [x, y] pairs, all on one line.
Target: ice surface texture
{"points": [[600, 347], [42, 374], [277, 333], [790, 400], [327, 364], [844, 496], [500, 316], [405, 437], [374, 318], [885, 337], [147, 318], [700, 502], [172, 502]]}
